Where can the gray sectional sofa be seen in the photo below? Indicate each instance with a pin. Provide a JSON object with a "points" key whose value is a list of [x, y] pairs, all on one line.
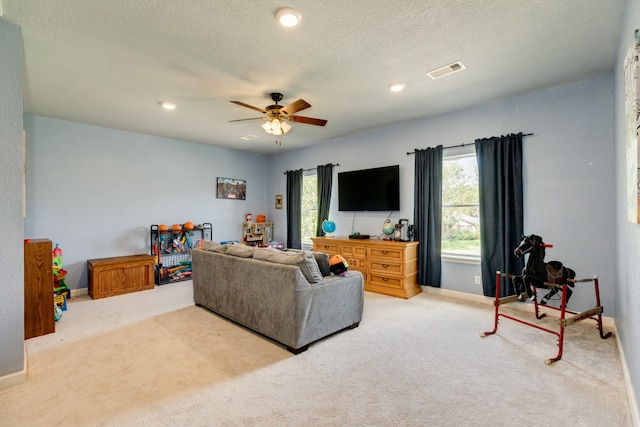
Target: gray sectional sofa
{"points": [[288, 296]]}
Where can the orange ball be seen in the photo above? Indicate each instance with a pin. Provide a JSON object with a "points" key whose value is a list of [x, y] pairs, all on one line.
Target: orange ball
{"points": [[176, 227], [163, 227], [188, 226]]}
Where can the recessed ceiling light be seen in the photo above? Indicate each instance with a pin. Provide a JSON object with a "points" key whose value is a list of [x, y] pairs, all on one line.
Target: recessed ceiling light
{"points": [[288, 17], [396, 87], [168, 105]]}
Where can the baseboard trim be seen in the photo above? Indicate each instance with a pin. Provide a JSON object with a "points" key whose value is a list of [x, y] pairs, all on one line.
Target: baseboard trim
{"points": [[79, 292], [607, 322], [16, 378], [633, 403]]}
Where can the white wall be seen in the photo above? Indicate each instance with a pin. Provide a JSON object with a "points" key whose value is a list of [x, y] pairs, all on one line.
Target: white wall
{"points": [[11, 181], [627, 235], [96, 191], [568, 174]]}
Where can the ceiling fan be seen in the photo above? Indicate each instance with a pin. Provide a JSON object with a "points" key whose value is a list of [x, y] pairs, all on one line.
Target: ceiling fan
{"points": [[277, 116]]}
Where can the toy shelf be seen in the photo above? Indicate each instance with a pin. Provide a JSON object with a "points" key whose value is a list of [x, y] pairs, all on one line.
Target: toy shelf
{"points": [[172, 251], [257, 233]]}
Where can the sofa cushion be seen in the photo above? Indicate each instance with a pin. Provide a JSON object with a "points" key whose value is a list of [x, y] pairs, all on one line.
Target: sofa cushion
{"points": [[321, 258], [311, 265], [213, 247], [306, 261], [241, 251], [323, 263]]}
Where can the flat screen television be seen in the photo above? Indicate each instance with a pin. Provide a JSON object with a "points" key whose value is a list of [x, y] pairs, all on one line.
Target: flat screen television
{"points": [[376, 189]]}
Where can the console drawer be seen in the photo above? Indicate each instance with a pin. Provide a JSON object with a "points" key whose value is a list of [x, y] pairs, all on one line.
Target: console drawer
{"points": [[386, 254], [328, 248], [386, 281], [384, 267]]}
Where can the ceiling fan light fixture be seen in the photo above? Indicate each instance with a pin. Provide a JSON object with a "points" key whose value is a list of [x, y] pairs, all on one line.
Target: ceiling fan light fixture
{"points": [[396, 87], [288, 17], [286, 127], [266, 127]]}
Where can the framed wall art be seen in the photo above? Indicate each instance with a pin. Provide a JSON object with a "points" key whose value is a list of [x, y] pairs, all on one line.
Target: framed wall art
{"points": [[231, 188], [278, 201], [632, 111]]}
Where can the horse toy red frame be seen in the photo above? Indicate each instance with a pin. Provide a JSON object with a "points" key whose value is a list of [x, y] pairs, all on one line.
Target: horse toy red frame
{"points": [[532, 278]]}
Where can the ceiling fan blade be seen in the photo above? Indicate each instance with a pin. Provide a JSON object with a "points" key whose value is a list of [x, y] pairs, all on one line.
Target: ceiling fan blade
{"points": [[307, 120], [296, 106], [244, 120], [248, 106]]}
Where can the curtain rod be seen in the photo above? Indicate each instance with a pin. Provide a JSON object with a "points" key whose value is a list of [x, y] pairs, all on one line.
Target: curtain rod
{"points": [[312, 169], [460, 145]]}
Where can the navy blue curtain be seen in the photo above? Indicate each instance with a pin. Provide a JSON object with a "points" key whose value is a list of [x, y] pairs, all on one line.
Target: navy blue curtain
{"points": [[294, 211], [427, 214], [501, 209], [325, 181]]}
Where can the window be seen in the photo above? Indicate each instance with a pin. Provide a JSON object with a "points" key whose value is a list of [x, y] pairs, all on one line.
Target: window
{"points": [[460, 206], [309, 207]]}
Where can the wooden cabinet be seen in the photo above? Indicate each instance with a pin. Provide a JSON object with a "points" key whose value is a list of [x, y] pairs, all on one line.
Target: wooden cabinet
{"points": [[389, 267], [38, 288], [356, 256], [120, 275]]}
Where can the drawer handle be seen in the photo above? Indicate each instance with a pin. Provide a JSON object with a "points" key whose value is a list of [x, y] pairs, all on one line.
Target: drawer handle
{"points": [[385, 265], [384, 279], [326, 247], [385, 252]]}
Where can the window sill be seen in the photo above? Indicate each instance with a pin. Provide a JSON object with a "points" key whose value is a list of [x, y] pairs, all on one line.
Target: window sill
{"points": [[463, 259]]}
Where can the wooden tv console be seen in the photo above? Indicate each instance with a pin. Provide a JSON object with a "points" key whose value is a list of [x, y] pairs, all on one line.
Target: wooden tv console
{"points": [[389, 267]]}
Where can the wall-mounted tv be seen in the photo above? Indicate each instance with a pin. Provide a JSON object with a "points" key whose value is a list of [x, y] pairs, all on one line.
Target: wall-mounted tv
{"points": [[376, 189]]}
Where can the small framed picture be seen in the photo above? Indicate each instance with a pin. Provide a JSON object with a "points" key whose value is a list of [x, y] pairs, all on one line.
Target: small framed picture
{"points": [[230, 188], [278, 201]]}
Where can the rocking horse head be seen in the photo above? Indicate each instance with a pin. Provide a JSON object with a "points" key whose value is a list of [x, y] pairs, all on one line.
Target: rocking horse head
{"points": [[530, 243]]}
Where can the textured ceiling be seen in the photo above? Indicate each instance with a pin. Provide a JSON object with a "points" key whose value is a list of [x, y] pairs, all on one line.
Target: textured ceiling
{"points": [[110, 63]]}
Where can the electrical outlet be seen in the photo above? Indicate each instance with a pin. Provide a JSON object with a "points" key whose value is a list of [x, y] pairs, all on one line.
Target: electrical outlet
{"points": [[477, 279]]}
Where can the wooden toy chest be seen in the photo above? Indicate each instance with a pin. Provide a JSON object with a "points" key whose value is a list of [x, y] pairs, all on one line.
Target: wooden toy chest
{"points": [[120, 275]]}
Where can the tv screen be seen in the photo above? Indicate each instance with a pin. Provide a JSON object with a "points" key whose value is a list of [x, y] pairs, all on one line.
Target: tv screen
{"points": [[376, 189]]}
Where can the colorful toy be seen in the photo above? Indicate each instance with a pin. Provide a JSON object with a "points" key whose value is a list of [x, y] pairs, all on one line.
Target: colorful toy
{"points": [[188, 226], [338, 265], [261, 218], [176, 228], [163, 228], [61, 291]]}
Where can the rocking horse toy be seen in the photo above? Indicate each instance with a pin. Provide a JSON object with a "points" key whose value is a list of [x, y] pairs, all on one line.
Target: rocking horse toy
{"points": [[537, 272], [550, 275]]}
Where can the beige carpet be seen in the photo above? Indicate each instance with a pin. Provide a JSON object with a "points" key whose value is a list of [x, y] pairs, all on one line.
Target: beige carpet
{"points": [[153, 359]]}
